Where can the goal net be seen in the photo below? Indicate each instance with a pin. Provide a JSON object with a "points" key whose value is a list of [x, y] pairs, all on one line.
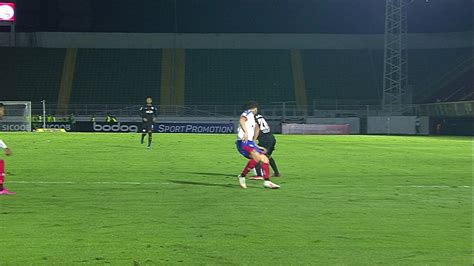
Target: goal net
{"points": [[17, 116]]}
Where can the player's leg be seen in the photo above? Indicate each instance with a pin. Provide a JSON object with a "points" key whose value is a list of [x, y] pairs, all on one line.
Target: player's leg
{"points": [[150, 138], [276, 172], [265, 167], [258, 169], [3, 190], [266, 172], [271, 160], [258, 172], [150, 134], [245, 150], [254, 159], [258, 157], [255, 156], [2, 174], [149, 130], [143, 134]]}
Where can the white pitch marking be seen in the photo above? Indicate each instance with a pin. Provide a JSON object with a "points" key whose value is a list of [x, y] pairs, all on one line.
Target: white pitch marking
{"points": [[115, 183], [167, 183], [96, 183], [42, 182]]}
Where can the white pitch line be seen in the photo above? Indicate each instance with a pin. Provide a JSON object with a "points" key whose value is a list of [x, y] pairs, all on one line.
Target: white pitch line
{"points": [[41, 182], [96, 183], [167, 183], [115, 183]]}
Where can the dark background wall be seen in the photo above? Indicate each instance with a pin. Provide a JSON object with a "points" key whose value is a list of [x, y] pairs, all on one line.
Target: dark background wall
{"points": [[231, 16]]}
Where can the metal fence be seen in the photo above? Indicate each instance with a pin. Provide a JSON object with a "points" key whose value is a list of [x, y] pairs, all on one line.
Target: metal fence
{"points": [[275, 110], [283, 110]]}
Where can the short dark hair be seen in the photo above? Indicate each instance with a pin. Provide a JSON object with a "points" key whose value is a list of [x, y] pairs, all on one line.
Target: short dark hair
{"points": [[2, 105], [250, 105]]}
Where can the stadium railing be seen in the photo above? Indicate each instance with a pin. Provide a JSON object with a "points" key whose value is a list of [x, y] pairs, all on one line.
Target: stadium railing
{"points": [[282, 110]]}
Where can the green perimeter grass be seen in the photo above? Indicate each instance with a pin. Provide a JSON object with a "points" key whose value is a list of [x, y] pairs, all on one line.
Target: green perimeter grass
{"points": [[355, 200]]}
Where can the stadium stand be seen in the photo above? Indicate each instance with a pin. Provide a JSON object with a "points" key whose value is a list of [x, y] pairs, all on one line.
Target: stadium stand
{"points": [[116, 75], [343, 74], [32, 73], [232, 76], [434, 72], [459, 89]]}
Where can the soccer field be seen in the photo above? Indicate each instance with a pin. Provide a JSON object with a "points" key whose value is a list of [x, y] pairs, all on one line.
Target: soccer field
{"points": [[358, 200]]}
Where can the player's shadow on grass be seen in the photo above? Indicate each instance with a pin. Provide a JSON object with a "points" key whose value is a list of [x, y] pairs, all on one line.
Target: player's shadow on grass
{"points": [[182, 182], [204, 174], [120, 146]]}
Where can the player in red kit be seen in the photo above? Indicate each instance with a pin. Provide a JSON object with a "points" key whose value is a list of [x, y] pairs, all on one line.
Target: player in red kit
{"points": [[3, 190]]}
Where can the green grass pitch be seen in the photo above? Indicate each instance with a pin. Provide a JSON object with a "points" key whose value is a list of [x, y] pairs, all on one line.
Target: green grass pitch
{"points": [[355, 200]]}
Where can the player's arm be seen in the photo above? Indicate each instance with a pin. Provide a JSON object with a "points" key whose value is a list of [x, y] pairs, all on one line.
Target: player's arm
{"points": [[142, 114], [155, 114], [242, 121], [257, 131], [5, 148]]}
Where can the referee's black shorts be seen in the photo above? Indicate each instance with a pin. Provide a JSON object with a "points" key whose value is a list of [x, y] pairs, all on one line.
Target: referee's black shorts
{"points": [[267, 141], [147, 126]]}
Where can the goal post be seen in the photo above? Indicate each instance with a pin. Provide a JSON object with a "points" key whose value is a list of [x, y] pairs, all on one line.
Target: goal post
{"points": [[17, 116]]}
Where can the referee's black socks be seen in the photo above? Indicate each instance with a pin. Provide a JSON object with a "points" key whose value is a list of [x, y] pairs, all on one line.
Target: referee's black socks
{"points": [[258, 169], [150, 136], [274, 166]]}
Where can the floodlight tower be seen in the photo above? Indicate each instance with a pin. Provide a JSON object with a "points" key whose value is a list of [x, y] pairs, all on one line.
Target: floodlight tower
{"points": [[395, 71]]}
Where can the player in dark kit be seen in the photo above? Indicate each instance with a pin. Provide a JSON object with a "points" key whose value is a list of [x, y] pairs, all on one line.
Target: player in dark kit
{"points": [[148, 114], [267, 140]]}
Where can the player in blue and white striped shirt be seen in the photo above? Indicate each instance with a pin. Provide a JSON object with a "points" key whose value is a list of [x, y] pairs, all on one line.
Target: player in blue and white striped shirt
{"points": [[247, 147]]}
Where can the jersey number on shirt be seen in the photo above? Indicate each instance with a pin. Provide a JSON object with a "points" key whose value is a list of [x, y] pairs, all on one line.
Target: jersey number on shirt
{"points": [[263, 126]]}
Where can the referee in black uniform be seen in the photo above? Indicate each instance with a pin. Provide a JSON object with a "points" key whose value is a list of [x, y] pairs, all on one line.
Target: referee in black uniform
{"points": [[267, 140], [148, 113]]}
